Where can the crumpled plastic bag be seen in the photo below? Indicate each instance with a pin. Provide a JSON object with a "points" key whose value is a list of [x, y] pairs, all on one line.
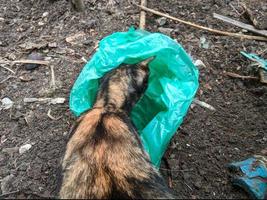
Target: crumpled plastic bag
{"points": [[173, 82]]}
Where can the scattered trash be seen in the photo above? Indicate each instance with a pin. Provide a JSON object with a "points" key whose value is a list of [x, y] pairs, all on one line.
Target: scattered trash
{"points": [[24, 148], [33, 56], [254, 175], [262, 63], [7, 103], [58, 100], [203, 104], [204, 43]]}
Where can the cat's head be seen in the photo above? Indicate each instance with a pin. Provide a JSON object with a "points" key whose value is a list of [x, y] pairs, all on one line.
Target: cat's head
{"points": [[122, 88]]}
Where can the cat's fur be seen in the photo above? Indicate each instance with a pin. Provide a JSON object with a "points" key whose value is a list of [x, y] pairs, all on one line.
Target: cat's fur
{"points": [[104, 157]]}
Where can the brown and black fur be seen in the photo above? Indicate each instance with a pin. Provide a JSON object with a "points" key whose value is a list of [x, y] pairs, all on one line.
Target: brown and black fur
{"points": [[104, 157]]}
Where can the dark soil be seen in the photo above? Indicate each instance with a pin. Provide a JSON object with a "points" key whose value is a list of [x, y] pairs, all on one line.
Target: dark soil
{"points": [[207, 140]]}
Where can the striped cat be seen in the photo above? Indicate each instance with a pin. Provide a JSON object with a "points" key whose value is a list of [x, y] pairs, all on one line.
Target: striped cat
{"points": [[104, 158]]}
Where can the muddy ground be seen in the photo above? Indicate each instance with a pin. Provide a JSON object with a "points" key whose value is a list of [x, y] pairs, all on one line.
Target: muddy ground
{"points": [[207, 140]]}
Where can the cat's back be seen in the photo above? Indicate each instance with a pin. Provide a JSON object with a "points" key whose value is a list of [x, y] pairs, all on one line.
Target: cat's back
{"points": [[101, 155]]}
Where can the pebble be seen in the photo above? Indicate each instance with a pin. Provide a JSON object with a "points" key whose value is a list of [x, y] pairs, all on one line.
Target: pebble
{"points": [[7, 103], [33, 56], [24, 148], [166, 31], [41, 23], [45, 14]]}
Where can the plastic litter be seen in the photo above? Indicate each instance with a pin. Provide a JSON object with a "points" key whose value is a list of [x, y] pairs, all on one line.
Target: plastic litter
{"points": [[254, 176], [262, 62], [173, 83]]}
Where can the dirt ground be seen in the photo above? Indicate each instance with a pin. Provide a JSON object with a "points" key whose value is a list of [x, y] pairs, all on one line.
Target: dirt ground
{"points": [[207, 140]]}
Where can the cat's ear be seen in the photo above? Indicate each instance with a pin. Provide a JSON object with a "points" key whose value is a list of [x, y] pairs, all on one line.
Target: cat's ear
{"points": [[145, 62]]}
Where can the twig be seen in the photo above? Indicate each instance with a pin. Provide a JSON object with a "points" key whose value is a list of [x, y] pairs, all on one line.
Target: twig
{"points": [[9, 193], [177, 170], [50, 116], [203, 104], [9, 77], [142, 24], [234, 75], [58, 100], [237, 35], [8, 69], [240, 24], [53, 82], [40, 62], [188, 186]]}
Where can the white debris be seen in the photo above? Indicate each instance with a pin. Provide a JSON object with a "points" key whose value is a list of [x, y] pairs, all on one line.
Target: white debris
{"points": [[203, 104], [58, 100], [45, 14], [6, 103], [199, 63], [24, 148]]}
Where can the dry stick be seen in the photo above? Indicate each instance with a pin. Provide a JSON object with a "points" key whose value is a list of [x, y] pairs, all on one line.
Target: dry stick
{"points": [[9, 77], [250, 37], [53, 82], [9, 193], [234, 75], [8, 69], [240, 24], [40, 62], [142, 23]]}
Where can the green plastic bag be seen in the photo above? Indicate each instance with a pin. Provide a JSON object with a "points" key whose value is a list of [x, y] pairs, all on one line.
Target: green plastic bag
{"points": [[173, 82]]}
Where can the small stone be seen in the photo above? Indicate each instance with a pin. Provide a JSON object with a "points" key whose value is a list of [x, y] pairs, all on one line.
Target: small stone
{"points": [[33, 56], [204, 43], [41, 23], [24, 148], [52, 44], [45, 14], [161, 21], [6, 103], [88, 42], [166, 31]]}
